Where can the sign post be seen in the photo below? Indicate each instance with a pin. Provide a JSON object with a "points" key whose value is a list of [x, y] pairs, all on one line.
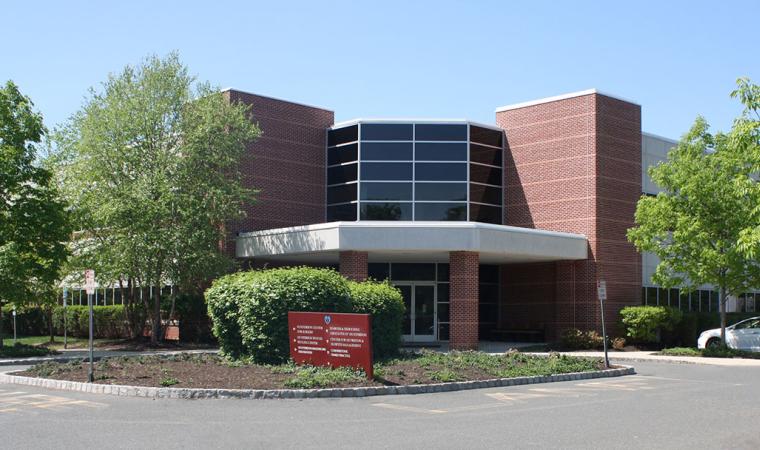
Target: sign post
{"points": [[14, 325], [331, 339], [89, 283], [601, 290], [65, 341]]}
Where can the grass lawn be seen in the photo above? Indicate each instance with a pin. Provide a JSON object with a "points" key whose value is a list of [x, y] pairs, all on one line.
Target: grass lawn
{"points": [[719, 352], [213, 371], [73, 342]]}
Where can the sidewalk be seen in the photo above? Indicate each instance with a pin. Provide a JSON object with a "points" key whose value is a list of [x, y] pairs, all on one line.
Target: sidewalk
{"points": [[71, 355], [653, 357]]}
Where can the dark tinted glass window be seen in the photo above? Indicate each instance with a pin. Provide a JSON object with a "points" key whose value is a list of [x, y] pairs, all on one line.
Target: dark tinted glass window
{"points": [[342, 154], [440, 211], [341, 193], [386, 211], [485, 214], [485, 174], [485, 136], [443, 311], [488, 274], [485, 155], [443, 275], [487, 312], [443, 292], [386, 132], [489, 293], [443, 332], [345, 212], [342, 135], [387, 151], [413, 272], [386, 191], [441, 171], [386, 171], [437, 132], [441, 191], [440, 151], [485, 194], [341, 174], [378, 271]]}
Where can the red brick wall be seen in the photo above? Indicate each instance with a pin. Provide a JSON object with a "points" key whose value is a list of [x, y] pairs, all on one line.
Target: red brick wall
{"points": [[572, 165], [287, 164], [353, 265], [463, 295]]}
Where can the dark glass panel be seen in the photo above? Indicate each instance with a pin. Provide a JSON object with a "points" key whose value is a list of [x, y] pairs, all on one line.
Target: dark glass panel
{"points": [[485, 174], [386, 191], [643, 296], [345, 212], [662, 296], [443, 332], [443, 312], [440, 171], [443, 292], [424, 310], [440, 151], [488, 273], [485, 155], [486, 136], [378, 271], [704, 301], [341, 174], [386, 171], [440, 132], [406, 293], [443, 275], [488, 312], [485, 194], [674, 298], [485, 214], [685, 301], [452, 192], [341, 193], [342, 135], [342, 154], [386, 211], [440, 211], [413, 272], [386, 132], [387, 151], [489, 293], [714, 301]]}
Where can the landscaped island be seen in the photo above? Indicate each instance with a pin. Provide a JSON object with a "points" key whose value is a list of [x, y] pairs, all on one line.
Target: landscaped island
{"points": [[215, 372]]}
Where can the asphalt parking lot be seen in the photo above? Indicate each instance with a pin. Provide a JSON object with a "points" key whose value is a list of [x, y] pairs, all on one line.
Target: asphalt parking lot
{"points": [[663, 406]]}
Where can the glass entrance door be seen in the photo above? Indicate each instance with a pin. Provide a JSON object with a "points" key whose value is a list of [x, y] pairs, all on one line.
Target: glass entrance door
{"points": [[419, 320]]}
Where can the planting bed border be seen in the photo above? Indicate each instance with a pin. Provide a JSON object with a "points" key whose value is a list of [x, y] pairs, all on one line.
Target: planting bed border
{"points": [[196, 393]]}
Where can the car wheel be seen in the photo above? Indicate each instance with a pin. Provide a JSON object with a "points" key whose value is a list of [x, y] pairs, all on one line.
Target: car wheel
{"points": [[713, 343]]}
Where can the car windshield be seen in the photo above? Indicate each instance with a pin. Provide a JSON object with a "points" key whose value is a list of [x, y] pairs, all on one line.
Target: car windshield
{"points": [[749, 323]]}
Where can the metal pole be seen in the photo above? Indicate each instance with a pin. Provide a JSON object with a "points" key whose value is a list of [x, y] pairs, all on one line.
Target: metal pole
{"points": [[65, 340], [604, 336], [90, 375], [14, 325]]}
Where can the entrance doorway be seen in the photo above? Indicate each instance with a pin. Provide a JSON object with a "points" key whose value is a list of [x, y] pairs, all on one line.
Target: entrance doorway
{"points": [[420, 317]]}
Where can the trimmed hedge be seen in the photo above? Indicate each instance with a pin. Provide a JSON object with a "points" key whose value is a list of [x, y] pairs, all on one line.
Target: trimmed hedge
{"points": [[386, 305], [250, 309], [110, 322], [645, 324], [30, 321]]}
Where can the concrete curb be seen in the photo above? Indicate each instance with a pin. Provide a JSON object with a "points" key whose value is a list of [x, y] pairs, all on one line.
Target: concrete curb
{"points": [[181, 393], [30, 361]]}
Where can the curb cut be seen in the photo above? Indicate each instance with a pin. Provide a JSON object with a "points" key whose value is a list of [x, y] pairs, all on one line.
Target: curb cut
{"points": [[181, 393]]}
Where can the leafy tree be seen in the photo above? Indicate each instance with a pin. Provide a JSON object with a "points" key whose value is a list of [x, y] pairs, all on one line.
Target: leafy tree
{"points": [[151, 164], [33, 222], [705, 224]]}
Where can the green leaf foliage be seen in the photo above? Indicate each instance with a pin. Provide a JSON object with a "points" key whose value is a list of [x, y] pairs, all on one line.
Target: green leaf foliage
{"points": [[386, 305], [645, 324]]}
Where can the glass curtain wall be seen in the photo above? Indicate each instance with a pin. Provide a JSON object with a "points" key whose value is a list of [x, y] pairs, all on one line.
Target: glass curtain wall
{"points": [[415, 171]]}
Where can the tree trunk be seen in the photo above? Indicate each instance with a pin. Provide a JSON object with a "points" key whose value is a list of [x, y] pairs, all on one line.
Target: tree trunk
{"points": [[1, 325], [156, 333], [722, 302], [50, 324]]}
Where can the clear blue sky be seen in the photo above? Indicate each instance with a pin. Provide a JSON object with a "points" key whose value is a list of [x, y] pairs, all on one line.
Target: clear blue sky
{"points": [[387, 58]]}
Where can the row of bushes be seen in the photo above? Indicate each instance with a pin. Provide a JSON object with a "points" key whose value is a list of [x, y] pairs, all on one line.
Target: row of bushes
{"points": [[249, 310]]}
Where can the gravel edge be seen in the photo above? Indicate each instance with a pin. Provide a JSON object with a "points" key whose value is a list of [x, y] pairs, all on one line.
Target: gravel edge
{"points": [[186, 393]]}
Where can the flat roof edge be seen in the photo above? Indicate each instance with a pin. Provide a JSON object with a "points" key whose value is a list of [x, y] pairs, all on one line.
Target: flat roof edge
{"points": [[404, 120], [657, 136], [561, 97], [276, 98]]}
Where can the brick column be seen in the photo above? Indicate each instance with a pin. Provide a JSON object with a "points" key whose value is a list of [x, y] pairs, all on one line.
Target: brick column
{"points": [[353, 265], [463, 297]]}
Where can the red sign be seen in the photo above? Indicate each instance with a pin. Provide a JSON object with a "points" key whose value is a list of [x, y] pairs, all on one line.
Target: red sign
{"points": [[331, 339]]}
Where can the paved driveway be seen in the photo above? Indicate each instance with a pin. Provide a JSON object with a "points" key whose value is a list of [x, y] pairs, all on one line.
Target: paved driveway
{"points": [[664, 406]]}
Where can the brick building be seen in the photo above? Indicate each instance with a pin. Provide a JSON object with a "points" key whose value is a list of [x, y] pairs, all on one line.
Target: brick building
{"points": [[490, 231]]}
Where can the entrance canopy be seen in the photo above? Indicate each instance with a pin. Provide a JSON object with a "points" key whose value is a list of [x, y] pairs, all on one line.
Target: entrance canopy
{"points": [[410, 241]]}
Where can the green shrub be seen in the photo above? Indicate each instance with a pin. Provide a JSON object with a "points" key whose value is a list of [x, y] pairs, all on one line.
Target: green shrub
{"points": [[109, 322], [575, 339], [386, 305], [30, 321], [681, 351], [250, 309], [645, 324]]}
